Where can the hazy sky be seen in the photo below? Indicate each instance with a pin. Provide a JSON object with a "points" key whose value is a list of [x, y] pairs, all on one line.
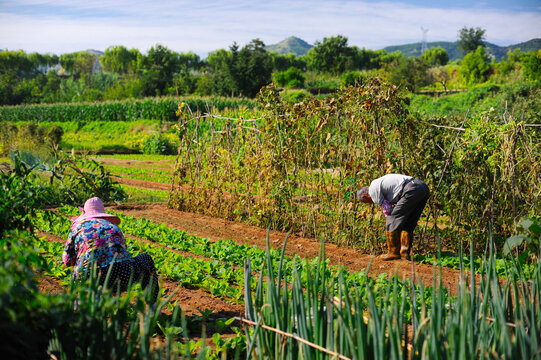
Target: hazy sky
{"points": [[61, 26]]}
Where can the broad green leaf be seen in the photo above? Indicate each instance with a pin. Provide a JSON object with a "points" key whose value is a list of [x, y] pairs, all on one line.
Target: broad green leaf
{"points": [[513, 242]]}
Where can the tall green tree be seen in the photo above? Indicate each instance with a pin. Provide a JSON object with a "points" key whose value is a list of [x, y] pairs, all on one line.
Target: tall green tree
{"points": [[250, 68], [512, 63], [436, 56], [469, 39], [332, 55], [16, 63], [439, 74], [475, 66], [282, 62], [215, 78], [43, 62], [410, 74], [120, 60], [532, 65], [158, 68], [189, 61], [78, 64], [291, 78], [185, 81], [17, 73], [370, 59]]}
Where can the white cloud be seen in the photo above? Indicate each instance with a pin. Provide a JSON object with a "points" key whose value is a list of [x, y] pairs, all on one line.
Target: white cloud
{"points": [[202, 26]]}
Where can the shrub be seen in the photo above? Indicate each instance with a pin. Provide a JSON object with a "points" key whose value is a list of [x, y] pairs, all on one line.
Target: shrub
{"points": [[40, 326], [157, 144], [352, 78], [527, 242], [36, 181], [29, 135], [475, 66], [322, 86], [26, 315], [291, 78], [19, 194], [532, 65], [296, 96]]}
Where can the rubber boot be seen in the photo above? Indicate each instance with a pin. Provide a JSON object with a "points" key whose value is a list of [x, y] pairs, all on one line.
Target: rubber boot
{"points": [[393, 246], [405, 244]]}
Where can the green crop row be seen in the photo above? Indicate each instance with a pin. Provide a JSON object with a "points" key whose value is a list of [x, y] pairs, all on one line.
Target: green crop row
{"points": [[156, 175], [327, 318], [226, 251], [455, 261], [211, 276], [52, 252], [162, 108], [136, 194], [166, 159], [231, 254]]}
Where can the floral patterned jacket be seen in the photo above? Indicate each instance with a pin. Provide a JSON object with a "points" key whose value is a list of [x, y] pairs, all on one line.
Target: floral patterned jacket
{"points": [[94, 241]]}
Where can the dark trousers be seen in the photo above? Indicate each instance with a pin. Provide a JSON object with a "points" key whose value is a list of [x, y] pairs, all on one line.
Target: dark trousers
{"points": [[141, 270], [409, 207]]}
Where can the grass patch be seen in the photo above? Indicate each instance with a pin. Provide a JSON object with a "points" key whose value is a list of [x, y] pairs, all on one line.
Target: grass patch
{"points": [[155, 175], [136, 194], [109, 137]]}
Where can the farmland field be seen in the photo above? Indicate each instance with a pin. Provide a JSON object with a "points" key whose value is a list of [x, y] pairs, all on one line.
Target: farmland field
{"points": [[213, 217], [216, 229], [195, 299]]}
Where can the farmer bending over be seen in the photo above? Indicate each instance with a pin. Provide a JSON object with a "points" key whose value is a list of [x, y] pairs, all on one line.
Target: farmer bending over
{"points": [[95, 238], [402, 199]]}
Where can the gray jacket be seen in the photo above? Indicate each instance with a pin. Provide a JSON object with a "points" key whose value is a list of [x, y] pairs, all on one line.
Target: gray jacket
{"points": [[387, 187]]}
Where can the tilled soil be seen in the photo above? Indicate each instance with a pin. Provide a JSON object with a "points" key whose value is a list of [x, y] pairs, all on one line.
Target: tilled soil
{"points": [[216, 229], [193, 300]]}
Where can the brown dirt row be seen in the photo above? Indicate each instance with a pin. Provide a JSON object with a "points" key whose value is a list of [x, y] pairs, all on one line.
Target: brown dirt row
{"points": [[144, 164], [216, 229], [151, 185]]}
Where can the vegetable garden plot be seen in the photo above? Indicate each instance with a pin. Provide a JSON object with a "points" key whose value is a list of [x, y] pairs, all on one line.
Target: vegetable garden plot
{"points": [[298, 166], [191, 298], [381, 304], [273, 171]]}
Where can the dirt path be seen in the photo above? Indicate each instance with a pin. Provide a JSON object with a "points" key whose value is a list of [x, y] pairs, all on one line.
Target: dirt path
{"points": [[142, 183], [145, 164], [216, 229]]}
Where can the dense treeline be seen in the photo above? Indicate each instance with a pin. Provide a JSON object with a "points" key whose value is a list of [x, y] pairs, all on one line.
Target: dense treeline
{"points": [[121, 73], [127, 73]]}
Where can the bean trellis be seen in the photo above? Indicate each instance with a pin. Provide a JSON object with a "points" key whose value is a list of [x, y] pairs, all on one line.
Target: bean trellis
{"points": [[297, 166]]}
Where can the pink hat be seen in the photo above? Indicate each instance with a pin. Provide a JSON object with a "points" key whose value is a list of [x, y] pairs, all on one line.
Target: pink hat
{"points": [[94, 209]]}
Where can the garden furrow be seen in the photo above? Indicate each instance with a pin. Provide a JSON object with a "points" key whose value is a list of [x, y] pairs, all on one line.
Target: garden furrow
{"points": [[191, 300]]}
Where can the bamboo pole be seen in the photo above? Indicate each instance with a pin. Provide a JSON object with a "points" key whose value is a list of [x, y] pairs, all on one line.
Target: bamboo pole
{"points": [[295, 337]]}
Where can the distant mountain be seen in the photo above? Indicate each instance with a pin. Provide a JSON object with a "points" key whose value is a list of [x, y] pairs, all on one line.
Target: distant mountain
{"points": [[291, 45], [414, 49], [95, 52], [530, 45]]}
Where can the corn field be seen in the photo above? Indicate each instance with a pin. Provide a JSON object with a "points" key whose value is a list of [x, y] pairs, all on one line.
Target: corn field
{"points": [[162, 109]]}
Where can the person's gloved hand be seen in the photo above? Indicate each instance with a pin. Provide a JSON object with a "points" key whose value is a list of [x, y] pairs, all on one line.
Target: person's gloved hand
{"points": [[386, 207]]}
